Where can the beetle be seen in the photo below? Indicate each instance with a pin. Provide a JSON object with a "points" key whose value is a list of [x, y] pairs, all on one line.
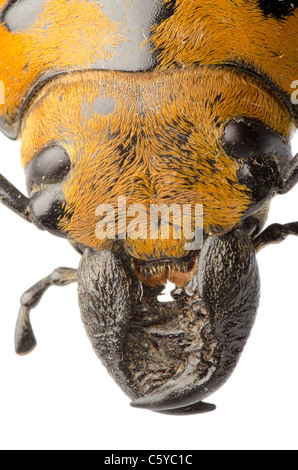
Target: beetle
{"points": [[158, 102]]}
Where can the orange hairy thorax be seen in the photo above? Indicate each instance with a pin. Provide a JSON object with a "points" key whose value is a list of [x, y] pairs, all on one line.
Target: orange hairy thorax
{"points": [[152, 138]]}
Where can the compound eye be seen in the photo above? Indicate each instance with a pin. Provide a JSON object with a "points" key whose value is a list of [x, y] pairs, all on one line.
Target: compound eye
{"points": [[50, 166], [44, 175], [246, 138]]}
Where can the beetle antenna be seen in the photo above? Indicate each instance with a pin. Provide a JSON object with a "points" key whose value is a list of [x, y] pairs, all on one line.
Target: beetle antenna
{"points": [[25, 340], [12, 198]]}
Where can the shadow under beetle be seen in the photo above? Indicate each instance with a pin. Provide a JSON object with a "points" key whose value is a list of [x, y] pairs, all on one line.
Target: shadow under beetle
{"points": [[160, 102]]}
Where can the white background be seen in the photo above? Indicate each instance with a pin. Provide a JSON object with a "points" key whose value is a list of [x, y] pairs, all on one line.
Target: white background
{"points": [[61, 397]]}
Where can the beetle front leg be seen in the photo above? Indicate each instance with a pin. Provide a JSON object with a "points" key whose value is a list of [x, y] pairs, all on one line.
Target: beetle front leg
{"points": [[12, 198], [25, 340], [225, 293], [275, 233], [111, 300]]}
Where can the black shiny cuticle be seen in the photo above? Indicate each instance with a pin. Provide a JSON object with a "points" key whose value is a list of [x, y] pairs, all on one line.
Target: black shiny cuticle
{"points": [[278, 9], [246, 138], [48, 208], [261, 153], [50, 166]]}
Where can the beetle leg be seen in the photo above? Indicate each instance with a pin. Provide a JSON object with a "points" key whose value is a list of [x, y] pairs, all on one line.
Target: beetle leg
{"points": [[105, 307], [25, 340], [227, 282], [290, 177], [275, 233], [12, 198]]}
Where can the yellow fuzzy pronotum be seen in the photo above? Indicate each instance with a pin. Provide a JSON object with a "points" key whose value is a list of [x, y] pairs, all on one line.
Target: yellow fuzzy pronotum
{"points": [[159, 144]]}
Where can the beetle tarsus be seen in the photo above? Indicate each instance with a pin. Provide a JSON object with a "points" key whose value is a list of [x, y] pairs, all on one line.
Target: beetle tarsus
{"points": [[25, 340], [275, 233]]}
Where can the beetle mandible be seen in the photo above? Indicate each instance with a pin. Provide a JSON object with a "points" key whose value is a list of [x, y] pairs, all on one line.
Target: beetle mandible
{"points": [[158, 103]]}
